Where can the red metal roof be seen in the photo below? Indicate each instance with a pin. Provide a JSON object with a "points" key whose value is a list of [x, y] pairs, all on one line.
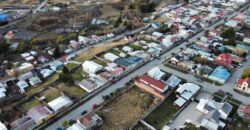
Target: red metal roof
{"points": [[157, 85], [225, 58], [85, 120]]}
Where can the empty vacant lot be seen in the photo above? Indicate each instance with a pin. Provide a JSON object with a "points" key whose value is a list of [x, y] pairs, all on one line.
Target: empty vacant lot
{"points": [[126, 110]]}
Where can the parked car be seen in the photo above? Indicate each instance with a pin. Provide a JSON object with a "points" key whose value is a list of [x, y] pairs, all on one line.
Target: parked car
{"points": [[94, 106], [59, 128], [84, 112], [72, 121], [105, 97], [229, 94]]}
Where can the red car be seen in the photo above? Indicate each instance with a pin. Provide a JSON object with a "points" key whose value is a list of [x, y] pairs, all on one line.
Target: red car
{"points": [[94, 106]]}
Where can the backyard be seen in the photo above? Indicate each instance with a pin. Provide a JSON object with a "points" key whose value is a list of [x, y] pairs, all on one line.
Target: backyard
{"points": [[51, 94], [49, 81], [71, 90], [30, 104], [124, 111], [100, 62], [163, 113]]}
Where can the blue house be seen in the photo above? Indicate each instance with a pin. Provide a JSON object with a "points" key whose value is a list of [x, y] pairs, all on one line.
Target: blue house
{"points": [[220, 74]]}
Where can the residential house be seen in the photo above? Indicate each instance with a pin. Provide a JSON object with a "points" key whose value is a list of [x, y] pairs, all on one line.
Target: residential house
{"points": [[60, 103], [22, 85], [140, 54], [23, 123], [224, 60], [74, 44], [127, 49], [91, 67], [151, 85], [46, 72], [156, 73], [42, 59], [34, 80], [89, 121], [186, 91], [243, 85], [235, 24], [124, 63], [117, 72], [25, 67], [25, 76], [56, 65], [39, 114], [88, 85], [110, 66], [157, 35], [244, 111], [104, 77], [220, 75], [214, 112], [173, 81], [111, 57]]}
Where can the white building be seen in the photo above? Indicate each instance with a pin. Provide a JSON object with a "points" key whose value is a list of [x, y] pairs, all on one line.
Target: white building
{"points": [[2, 126], [214, 112], [91, 67], [3, 90], [188, 90], [60, 103], [22, 85], [156, 73], [110, 57], [157, 34], [127, 49]]}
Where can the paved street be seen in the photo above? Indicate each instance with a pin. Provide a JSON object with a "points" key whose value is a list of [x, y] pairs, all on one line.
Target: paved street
{"points": [[98, 98]]}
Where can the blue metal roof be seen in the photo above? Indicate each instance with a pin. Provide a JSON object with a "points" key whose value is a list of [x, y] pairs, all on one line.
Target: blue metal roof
{"points": [[3, 17], [220, 74], [134, 59]]}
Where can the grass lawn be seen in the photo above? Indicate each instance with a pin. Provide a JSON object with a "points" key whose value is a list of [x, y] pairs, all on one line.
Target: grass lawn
{"points": [[72, 90], [100, 62], [163, 113], [51, 94], [30, 104], [77, 76], [115, 52], [135, 47], [72, 66], [49, 81]]}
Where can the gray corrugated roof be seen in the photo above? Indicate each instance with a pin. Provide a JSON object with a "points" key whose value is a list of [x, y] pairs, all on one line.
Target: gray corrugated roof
{"points": [[226, 107], [214, 116]]}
